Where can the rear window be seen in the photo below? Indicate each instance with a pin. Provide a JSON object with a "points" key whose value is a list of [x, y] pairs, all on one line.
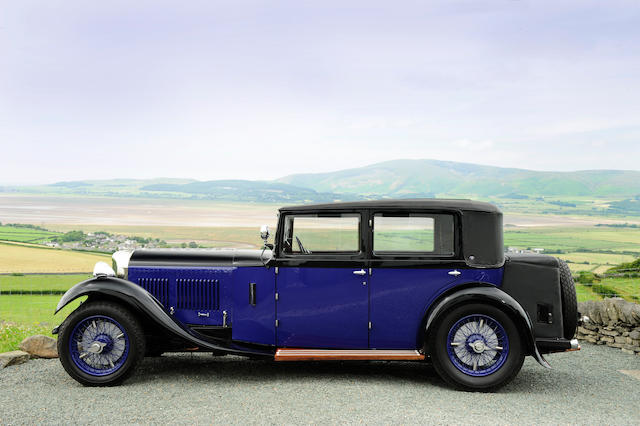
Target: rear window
{"points": [[413, 233]]}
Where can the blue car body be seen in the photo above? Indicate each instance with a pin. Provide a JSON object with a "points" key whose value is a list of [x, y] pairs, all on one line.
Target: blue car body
{"points": [[316, 307], [371, 296]]}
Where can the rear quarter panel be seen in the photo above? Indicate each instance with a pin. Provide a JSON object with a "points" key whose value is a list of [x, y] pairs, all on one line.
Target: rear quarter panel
{"points": [[400, 299]]}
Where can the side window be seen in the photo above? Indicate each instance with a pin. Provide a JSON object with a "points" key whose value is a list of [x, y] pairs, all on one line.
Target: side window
{"points": [[309, 233], [413, 233]]}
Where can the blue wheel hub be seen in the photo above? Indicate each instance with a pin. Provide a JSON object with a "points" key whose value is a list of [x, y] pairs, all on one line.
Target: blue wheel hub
{"points": [[477, 345], [99, 345]]}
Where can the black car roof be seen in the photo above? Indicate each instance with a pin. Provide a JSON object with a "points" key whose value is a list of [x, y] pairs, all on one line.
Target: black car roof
{"points": [[414, 203]]}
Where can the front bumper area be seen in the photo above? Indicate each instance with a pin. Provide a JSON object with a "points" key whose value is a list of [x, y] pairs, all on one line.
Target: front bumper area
{"points": [[548, 346]]}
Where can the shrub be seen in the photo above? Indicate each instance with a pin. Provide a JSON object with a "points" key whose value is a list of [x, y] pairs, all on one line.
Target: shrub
{"points": [[604, 291], [586, 277]]}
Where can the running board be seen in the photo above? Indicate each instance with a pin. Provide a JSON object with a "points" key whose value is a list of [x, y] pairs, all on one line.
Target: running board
{"points": [[346, 355]]}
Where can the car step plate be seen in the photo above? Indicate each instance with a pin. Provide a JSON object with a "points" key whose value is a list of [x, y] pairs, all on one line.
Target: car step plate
{"points": [[289, 354]]}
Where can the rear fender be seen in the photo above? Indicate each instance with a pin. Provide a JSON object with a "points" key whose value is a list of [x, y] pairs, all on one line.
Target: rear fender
{"points": [[143, 301], [495, 297]]}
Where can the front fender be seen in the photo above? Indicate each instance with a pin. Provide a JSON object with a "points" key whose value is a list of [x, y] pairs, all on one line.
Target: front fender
{"points": [[494, 296], [115, 287], [144, 301]]}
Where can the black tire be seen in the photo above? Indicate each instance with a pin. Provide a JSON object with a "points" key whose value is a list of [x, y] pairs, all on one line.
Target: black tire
{"points": [[133, 345], [569, 300], [510, 361]]}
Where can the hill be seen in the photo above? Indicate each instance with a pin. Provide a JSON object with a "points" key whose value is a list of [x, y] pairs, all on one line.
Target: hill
{"points": [[406, 178], [619, 189], [246, 190], [105, 187], [220, 190]]}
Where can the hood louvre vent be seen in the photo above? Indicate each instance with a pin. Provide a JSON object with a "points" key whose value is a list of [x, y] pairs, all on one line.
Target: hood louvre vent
{"points": [[159, 287], [201, 294]]}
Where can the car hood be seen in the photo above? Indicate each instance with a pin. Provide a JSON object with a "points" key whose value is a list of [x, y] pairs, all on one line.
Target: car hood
{"points": [[199, 257]]}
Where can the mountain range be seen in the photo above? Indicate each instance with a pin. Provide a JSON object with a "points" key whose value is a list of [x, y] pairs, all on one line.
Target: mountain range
{"points": [[391, 179], [401, 178]]}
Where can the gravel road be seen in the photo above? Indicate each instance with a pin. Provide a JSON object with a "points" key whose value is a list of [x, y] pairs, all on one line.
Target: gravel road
{"points": [[582, 387]]}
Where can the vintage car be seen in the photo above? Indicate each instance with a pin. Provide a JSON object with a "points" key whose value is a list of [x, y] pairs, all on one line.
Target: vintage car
{"points": [[406, 280]]}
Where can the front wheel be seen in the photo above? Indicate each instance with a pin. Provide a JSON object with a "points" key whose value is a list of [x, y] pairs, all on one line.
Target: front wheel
{"points": [[476, 347], [100, 344]]}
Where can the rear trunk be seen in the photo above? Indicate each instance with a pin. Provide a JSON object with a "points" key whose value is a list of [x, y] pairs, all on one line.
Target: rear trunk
{"points": [[534, 281]]}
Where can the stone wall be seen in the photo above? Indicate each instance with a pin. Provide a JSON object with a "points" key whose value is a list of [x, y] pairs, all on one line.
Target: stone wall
{"points": [[613, 322]]}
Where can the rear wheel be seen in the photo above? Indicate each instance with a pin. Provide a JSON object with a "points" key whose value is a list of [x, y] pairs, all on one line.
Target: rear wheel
{"points": [[476, 347], [100, 344]]}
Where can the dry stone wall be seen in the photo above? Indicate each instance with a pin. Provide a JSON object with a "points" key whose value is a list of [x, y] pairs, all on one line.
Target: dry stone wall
{"points": [[613, 322]]}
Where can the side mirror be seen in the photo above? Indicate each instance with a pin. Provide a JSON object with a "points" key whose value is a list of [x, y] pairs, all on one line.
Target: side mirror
{"points": [[264, 232]]}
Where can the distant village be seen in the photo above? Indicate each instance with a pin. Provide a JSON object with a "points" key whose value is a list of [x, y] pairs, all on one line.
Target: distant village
{"points": [[104, 241]]}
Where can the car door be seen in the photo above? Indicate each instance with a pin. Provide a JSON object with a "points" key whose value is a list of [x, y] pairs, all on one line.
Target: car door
{"points": [[322, 288], [413, 261]]}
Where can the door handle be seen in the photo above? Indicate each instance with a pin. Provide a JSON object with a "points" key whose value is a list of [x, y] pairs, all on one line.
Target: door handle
{"points": [[360, 272], [252, 294], [455, 272]]}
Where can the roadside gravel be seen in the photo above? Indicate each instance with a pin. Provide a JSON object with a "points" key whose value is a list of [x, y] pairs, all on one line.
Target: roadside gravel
{"points": [[582, 387]]}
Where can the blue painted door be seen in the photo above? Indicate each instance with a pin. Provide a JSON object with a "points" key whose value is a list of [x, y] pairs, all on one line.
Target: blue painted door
{"points": [[322, 308]]}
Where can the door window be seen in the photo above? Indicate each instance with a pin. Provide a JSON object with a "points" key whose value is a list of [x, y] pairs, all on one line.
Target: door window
{"points": [[308, 234], [413, 233]]}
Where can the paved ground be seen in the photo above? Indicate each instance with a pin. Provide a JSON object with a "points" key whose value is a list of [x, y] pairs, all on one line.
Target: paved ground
{"points": [[583, 387]]}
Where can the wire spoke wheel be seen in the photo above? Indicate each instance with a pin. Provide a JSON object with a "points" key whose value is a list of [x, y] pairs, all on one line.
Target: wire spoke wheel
{"points": [[99, 345], [477, 345]]}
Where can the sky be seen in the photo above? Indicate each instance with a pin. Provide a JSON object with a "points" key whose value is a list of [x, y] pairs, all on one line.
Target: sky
{"points": [[260, 90]]}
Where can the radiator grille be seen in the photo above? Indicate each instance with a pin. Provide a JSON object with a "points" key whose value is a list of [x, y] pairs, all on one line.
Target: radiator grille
{"points": [[201, 294], [159, 287]]}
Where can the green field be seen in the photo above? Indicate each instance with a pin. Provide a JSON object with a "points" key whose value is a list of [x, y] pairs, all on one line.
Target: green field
{"points": [[597, 258], [33, 310], [25, 235], [575, 239], [577, 267], [586, 248], [627, 288], [39, 283], [586, 206], [23, 316], [584, 293], [600, 269]]}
